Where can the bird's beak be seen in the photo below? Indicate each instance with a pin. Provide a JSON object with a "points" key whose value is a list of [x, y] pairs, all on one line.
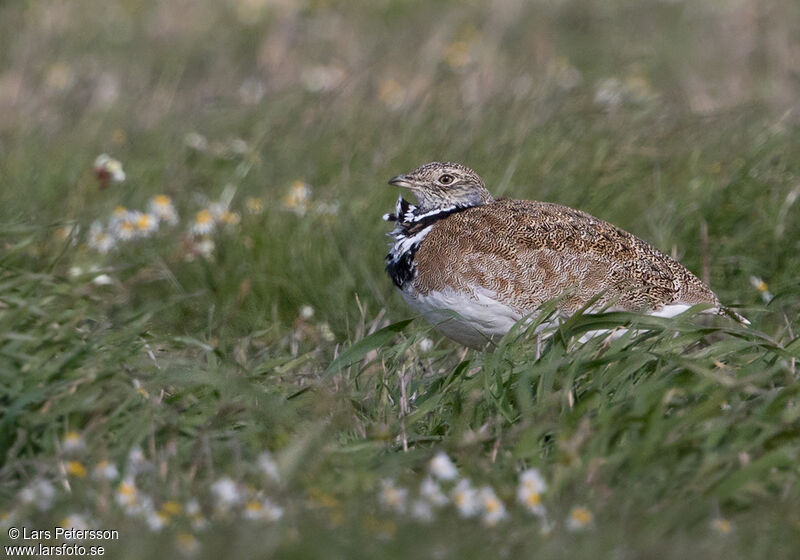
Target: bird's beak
{"points": [[400, 181]]}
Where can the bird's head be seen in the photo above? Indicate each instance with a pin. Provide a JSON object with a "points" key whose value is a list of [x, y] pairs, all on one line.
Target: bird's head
{"points": [[439, 186]]}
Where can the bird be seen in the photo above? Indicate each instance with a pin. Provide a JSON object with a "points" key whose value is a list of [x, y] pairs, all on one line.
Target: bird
{"points": [[474, 266]]}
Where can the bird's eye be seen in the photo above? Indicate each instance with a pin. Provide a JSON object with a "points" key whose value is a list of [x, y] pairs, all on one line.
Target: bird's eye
{"points": [[446, 179]]}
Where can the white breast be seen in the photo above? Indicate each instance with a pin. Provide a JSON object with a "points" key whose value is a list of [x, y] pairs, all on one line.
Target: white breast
{"points": [[472, 319]]}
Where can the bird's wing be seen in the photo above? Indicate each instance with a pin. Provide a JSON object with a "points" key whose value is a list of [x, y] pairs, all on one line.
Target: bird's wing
{"points": [[531, 252]]}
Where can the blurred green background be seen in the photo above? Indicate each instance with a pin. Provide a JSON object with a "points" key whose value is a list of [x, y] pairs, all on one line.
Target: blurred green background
{"points": [[677, 121]]}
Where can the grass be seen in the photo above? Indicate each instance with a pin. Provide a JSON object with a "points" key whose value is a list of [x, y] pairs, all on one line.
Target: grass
{"points": [[182, 370]]}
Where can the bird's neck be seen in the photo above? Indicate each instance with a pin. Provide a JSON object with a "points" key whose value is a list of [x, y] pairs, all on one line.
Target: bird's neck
{"points": [[415, 217]]}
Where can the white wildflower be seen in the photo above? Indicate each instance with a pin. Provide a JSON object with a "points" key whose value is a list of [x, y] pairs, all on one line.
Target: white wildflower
{"points": [[442, 467], [40, 492], [272, 511], [392, 497], [318, 79], [102, 280], [187, 544], [205, 248], [199, 523], [226, 493], [566, 76], [162, 208], [195, 515], [431, 491], [195, 141], [136, 461], [99, 239], [7, 519], [298, 197], [325, 332], [238, 146], [421, 510], [127, 495], [494, 510], [118, 214], [326, 208], [121, 224], [125, 230], [466, 498], [268, 465], [192, 508], [762, 287], [217, 210], [609, 93], [264, 510], [145, 224], [155, 521], [137, 384], [74, 521], [141, 507], [108, 169], [251, 91], [73, 443], [204, 223], [721, 525], [105, 471], [307, 312], [530, 490], [69, 233], [532, 481]]}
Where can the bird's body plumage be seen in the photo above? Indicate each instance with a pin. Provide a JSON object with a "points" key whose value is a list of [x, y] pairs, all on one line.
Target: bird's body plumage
{"points": [[474, 269]]}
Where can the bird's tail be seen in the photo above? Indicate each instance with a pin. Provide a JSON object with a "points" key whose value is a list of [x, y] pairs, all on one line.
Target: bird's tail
{"points": [[741, 319]]}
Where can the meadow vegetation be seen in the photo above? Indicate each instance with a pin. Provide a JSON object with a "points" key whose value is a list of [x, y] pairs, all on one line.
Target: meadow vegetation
{"points": [[199, 347]]}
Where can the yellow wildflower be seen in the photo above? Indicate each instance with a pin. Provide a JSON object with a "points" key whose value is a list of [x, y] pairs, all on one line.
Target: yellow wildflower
{"points": [[493, 508], [187, 544], [170, 508], [230, 218], [76, 468], [126, 493], [73, 442], [298, 197], [254, 205], [722, 526], [457, 54], [119, 136], [579, 518], [391, 93], [146, 224], [762, 288]]}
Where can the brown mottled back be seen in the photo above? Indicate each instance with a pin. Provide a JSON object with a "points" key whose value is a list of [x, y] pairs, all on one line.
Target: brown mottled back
{"points": [[530, 252]]}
